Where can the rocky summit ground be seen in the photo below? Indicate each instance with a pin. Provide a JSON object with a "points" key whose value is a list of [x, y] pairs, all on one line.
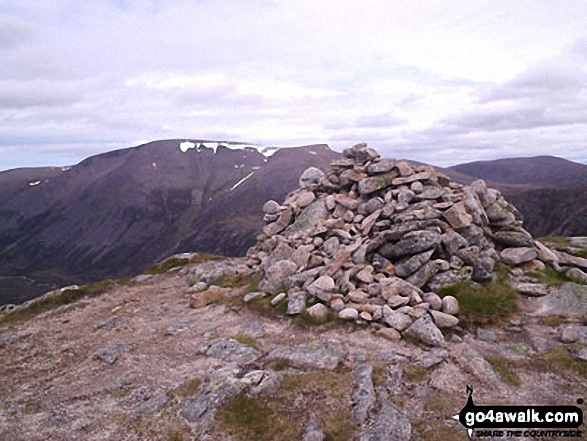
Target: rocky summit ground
{"points": [[152, 359]]}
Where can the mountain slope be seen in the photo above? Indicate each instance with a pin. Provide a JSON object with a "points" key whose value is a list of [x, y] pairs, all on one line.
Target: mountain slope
{"points": [[117, 213], [538, 171]]}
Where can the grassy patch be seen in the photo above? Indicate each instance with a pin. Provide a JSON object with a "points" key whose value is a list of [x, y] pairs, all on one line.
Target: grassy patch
{"points": [[279, 364], [166, 265], [439, 408], [554, 321], [490, 304], [97, 288], [188, 388], [239, 281], [247, 340], [414, 373], [559, 360], [505, 369], [551, 277], [282, 415], [250, 418]]}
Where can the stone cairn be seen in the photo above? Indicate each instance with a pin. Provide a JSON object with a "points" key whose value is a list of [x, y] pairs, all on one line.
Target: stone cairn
{"points": [[373, 239]]}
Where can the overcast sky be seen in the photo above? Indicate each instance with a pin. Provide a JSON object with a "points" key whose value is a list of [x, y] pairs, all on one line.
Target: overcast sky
{"points": [[442, 82]]}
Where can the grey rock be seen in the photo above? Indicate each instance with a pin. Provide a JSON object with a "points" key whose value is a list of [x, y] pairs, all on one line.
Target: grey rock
{"points": [[201, 411], [411, 264], [426, 331], [252, 328], [371, 206], [153, 405], [430, 193], [457, 216], [318, 311], [271, 207], [411, 243], [276, 276], [576, 274], [484, 334], [574, 333], [411, 178], [278, 298], [581, 354], [331, 246], [142, 278], [180, 326], [313, 431], [198, 287], [443, 320], [304, 199], [323, 288], [389, 424], [249, 297], [453, 241], [433, 300], [281, 224], [450, 305], [309, 218], [296, 302], [363, 394], [230, 351], [384, 165], [348, 314], [318, 355], [111, 353], [432, 358], [450, 278], [375, 183], [532, 289], [480, 188], [514, 238], [420, 277], [516, 256], [109, 324], [396, 320], [311, 176]]}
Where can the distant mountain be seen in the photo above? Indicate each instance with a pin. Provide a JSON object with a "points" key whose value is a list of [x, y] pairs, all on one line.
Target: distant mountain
{"points": [[116, 213], [550, 192], [538, 171]]}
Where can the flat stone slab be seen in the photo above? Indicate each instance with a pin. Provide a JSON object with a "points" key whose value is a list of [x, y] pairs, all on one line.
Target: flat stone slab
{"points": [[230, 351], [326, 355]]}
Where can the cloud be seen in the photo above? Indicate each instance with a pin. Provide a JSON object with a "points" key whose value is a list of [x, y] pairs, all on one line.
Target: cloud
{"points": [[14, 33], [379, 120], [20, 94]]}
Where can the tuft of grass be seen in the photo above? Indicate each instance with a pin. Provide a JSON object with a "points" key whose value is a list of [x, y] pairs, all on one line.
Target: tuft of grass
{"points": [[414, 373], [490, 304], [551, 277], [97, 288], [239, 281], [505, 369], [166, 265], [279, 364], [554, 321], [559, 360], [439, 408], [188, 388], [282, 415], [249, 418], [247, 340]]}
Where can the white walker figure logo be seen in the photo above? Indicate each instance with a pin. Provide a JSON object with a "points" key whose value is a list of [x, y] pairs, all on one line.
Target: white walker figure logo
{"points": [[527, 421]]}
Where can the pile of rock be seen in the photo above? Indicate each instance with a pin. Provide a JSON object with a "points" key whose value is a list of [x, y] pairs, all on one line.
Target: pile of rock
{"points": [[374, 238]]}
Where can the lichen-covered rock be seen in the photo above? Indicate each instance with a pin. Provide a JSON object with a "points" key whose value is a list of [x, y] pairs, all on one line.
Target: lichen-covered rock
{"points": [[326, 355], [425, 330]]}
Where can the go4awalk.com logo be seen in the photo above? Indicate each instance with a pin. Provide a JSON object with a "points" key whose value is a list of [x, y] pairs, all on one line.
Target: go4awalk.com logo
{"points": [[520, 421]]}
